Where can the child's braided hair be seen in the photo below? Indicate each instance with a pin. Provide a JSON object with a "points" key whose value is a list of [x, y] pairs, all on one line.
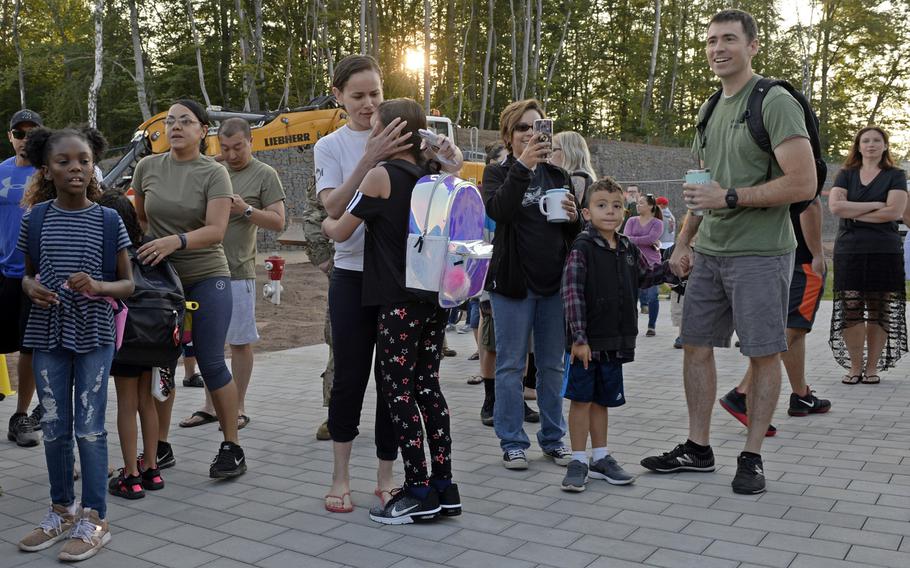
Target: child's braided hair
{"points": [[38, 145]]}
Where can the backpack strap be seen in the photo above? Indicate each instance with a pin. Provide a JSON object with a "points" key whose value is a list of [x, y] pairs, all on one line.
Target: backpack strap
{"points": [[35, 224], [109, 247], [709, 110]]}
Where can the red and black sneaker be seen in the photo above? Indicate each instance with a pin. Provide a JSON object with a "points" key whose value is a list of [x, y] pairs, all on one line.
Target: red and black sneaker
{"points": [[126, 486], [151, 479], [734, 402]]}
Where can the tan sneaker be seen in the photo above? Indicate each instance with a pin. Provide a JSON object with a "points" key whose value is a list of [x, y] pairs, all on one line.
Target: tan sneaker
{"points": [[322, 433], [89, 534], [54, 527]]}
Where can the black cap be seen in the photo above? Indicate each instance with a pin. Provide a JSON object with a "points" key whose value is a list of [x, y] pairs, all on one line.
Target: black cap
{"points": [[25, 115]]}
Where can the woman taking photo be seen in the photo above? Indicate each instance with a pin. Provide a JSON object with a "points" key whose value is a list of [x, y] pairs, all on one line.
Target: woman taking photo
{"points": [[644, 230], [183, 198], [342, 159], [570, 152], [868, 326], [524, 279]]}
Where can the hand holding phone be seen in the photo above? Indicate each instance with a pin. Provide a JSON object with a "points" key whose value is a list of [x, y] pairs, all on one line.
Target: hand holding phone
{"points": [[434, 142]]}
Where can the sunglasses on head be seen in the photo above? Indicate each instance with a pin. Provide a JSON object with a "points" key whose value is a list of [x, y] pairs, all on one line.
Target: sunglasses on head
{"points": [[522, 127], [19, 134]]}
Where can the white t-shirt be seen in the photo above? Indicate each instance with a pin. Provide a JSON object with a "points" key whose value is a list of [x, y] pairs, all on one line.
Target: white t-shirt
{"points": [[335, 157]]}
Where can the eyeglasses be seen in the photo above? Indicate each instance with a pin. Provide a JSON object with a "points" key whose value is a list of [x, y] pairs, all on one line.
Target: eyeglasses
{"points": [[19, 134], [183, 122], [522, 127]]}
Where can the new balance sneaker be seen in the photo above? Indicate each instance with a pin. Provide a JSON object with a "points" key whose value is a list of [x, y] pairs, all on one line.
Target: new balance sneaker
{"points": [[560, 456], [486, 412], [531, 415], [126, 486], [86, 538], [515, 459], [151, 479], [680, 458], [22, 431], [734, 402], [608, 469], [576, 477], [405, 508], [449, 500], [230, 462], [806, 405], [750, 475], [37, 415], [53, 528]]}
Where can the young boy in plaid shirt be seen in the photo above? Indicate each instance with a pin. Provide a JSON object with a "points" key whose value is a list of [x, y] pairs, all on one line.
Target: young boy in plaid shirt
{"points": [[600, 284]]}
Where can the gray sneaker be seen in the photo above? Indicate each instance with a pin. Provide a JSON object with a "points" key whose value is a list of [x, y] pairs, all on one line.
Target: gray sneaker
{"points": [[22, 431], [560, 456], [576, 477], [607, 468]]}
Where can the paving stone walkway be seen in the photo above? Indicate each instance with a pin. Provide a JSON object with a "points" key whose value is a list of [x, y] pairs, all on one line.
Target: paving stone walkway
{"points": [[838, 484]]}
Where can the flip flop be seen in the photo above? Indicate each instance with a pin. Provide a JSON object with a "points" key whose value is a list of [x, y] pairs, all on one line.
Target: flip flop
{"points": [[202, 416], [871, 379], [242, 421], [336, 508], [851, 379], [380, 492]]}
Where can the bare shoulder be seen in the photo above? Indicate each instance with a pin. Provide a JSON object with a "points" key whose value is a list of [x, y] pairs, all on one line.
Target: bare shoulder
{"points": [[376, 183]]}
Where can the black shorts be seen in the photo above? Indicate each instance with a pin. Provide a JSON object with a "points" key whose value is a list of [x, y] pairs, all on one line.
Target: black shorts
{"points": [[806, 291], [128, 371], [600, 383], [15, 303]]}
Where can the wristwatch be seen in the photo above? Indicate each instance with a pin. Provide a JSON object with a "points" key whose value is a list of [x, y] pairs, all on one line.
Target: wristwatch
{"points": [[248, 212], [732, 198]]}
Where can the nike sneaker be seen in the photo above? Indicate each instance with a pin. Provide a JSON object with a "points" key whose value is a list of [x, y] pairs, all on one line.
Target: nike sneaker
{"points": [[405, 508], [750, 475], [809, 404], [230, 462], [680, 458]]}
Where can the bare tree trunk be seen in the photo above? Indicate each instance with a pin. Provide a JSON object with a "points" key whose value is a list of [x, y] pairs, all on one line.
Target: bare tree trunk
{"points": [[535, 67], [192, 19], [16, 10], [555, 60], [285, 97], [139, 63], [649, 89], [514, 39], [99, 64], [248, 80], [461, 58], [893, 73], [257, 45], [486, 64], [673, 74], [363, 27], [493, 90], [524, 50], [426, 55]]}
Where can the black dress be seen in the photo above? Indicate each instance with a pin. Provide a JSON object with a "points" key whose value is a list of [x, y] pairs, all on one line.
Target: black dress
{"points": [[869, 271]]}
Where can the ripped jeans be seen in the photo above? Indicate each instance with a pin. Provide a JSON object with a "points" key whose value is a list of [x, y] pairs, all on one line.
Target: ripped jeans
{"points": [[58, 374]]}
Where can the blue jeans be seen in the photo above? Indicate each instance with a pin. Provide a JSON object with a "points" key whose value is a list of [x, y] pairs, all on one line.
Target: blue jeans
{"points": [[58, 374], [513, 320], [649, 297]]}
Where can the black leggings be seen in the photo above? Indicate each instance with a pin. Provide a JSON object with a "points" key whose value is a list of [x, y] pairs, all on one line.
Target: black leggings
{"points": [[354, 331], [409, 348]]}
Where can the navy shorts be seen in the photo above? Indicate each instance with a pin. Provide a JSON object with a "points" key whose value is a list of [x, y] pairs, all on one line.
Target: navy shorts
{"points": [[600, 383]]}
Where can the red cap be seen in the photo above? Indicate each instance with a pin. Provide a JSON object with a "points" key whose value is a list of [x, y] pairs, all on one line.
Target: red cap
{"points": [[662, 200]]}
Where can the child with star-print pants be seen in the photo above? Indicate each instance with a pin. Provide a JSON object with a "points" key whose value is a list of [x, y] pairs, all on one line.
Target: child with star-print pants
{"points": [[409, 345]]}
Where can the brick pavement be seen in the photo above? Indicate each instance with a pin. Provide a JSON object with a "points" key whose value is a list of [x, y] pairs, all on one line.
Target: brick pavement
{"points": [[839, 484]]}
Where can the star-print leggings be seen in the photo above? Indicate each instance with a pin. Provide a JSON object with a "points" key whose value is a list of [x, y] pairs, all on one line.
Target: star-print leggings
{"points": [[409, 343]]}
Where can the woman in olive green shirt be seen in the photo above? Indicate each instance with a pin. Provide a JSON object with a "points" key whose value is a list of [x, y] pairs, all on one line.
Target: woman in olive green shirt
{"points": [[183, 199]]}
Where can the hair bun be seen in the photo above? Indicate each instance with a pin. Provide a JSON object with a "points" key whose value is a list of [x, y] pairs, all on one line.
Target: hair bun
{"points": [[35, 144]]}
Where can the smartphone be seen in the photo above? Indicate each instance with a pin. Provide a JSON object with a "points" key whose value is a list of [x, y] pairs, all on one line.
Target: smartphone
{"points": [[544, 128], [434, 142]]}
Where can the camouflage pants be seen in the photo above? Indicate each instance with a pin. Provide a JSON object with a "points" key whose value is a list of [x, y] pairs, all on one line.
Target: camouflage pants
{"points": [[328, 376]]}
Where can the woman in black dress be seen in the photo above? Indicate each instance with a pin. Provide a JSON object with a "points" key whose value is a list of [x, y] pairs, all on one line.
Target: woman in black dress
{"points": [[868, 326]]}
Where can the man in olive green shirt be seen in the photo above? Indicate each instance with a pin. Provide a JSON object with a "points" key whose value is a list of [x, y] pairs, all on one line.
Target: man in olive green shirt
{"points": [[739, 273], [258, 202]]}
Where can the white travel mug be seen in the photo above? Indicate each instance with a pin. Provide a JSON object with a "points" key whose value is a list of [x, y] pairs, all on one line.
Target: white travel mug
{"points": [[551, 205]]}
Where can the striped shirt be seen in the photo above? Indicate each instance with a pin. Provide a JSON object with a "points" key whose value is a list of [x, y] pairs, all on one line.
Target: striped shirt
{"points": [[71, 241]]}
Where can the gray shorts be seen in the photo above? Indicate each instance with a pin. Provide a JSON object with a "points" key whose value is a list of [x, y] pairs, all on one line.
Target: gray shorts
{"points": [[749, 294], [242, 330]]}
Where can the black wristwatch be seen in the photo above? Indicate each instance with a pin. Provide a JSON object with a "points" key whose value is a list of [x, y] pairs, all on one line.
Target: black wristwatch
{"points": [[732, 198]]}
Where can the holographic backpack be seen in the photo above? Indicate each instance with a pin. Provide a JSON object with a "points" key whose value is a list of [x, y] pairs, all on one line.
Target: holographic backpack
{"points": [[446, 252]]}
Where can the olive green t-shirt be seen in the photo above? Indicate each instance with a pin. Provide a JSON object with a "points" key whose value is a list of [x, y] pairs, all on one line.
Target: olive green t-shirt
{"points": [[176, 195], [259, 186], [735, 160]]}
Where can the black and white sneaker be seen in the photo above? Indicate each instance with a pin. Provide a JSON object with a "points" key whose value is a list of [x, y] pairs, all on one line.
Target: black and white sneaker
{"points": [[449, 501], [515, 459], [486, 412], [37, 415], [560, 456], [164, 456], [806, 405], [230, 462], [680, 458], [22, 431], [404, 508], [750, 475]]}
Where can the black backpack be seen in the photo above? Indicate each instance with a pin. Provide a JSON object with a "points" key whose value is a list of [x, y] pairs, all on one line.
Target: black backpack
{"points": [[755, 121], [154, 322]]}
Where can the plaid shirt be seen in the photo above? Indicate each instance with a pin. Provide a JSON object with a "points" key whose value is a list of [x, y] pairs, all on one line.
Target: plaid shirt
{"points": [[575, 274]]}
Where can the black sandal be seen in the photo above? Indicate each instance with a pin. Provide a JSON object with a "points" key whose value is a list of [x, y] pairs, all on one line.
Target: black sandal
{"points": [[851, 379], [871, 379]]}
